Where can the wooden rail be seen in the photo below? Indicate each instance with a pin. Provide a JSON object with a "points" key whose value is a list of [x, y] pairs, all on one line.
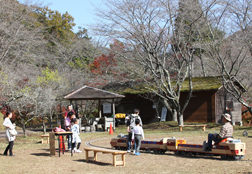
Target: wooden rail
{"points": [[196, 125], [113, 152], [40, 125]]}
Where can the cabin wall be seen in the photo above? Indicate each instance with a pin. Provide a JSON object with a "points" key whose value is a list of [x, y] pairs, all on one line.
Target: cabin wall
{"points": [[201, 107], [226, 103], [132, 101]]}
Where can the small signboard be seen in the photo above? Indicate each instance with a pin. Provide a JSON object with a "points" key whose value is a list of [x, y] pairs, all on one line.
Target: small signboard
{"points": [[106, 108], [163, 115]]}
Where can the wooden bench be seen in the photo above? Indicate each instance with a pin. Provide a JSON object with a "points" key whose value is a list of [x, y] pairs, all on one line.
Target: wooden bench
{"points": [[113, 152], [45, 136], [195, 125]]}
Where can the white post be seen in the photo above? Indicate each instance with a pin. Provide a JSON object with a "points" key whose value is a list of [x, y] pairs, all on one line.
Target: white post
{"points": [[99, 108], [80, 125], [113, 103]]}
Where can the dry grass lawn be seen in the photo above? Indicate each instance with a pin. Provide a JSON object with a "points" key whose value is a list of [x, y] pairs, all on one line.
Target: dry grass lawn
{"points": [[33, 157]]}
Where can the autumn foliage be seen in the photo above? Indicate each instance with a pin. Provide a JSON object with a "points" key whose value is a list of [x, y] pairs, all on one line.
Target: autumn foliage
{"points": [[103, 64]]}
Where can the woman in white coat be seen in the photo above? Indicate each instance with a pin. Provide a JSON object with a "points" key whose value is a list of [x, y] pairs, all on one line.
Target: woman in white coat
{"points": [[10, 138]]}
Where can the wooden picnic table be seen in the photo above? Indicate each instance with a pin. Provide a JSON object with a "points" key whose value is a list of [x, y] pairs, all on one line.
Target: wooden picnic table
{"points": [[52, 141]]}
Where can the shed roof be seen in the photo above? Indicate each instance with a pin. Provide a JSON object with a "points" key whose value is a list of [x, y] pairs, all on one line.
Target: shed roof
{"points": [[90, 93]]}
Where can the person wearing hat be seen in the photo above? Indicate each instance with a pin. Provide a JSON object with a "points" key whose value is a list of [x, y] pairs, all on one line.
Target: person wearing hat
{"points": [[225, 132]]}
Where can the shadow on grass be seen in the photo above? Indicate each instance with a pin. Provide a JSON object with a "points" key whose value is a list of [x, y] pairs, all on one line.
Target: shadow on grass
{"points": [[47, 153], [40, 154], [205, 156], [94, 162]]}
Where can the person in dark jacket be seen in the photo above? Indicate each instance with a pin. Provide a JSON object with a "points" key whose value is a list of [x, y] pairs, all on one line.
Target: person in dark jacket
{"points": [[131, 119]]}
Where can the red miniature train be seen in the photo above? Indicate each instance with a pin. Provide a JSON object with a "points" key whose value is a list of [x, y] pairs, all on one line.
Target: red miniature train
{"points": [[228, 148]]}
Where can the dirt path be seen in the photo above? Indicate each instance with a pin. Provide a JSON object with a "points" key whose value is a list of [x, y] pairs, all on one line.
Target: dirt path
{"points": [[33, 157]]}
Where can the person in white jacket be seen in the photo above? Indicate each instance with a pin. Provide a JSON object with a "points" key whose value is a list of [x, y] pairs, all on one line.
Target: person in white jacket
{"points": [[75, 138], [10, 138], [137, 135]]}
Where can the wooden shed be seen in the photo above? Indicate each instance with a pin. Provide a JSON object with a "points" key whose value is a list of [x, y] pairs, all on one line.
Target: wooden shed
{"points": [[90, 93], [209, 101]]}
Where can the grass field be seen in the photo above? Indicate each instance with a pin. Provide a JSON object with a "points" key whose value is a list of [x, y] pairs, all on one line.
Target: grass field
{"points": [[34, 157]]}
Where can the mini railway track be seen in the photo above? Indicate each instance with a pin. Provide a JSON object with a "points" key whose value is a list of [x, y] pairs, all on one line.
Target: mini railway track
{"points": [[89, 143]]}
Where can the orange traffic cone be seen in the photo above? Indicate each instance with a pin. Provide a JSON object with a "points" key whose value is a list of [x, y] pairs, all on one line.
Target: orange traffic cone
{"points": [[62, 144], [111, 129]]}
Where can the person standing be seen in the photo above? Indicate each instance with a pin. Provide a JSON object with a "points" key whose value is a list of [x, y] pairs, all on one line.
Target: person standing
{"points": [[137, 135], [76, 138], [68, 119], [225, 132], [131, 118], [69, 109], [10, 138]]}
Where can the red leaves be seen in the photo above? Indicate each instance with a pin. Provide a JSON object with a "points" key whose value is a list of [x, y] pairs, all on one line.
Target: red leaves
{"points": [[103, 64]]}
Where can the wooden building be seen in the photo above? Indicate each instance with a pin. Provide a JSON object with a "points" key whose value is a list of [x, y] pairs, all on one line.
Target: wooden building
{"points": [[208, 102]]}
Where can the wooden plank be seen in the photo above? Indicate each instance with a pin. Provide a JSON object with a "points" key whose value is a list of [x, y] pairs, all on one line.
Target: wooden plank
{"points": [[104, 150], [95, 155], [52, 143], [192, 125], [203, 126], [114, 160], [40, 125], [113, 152], [123, 159], [86, 155]]}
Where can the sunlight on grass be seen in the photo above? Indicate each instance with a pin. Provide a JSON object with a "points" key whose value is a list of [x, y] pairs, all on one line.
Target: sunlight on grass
{"points": [[169, 129]]}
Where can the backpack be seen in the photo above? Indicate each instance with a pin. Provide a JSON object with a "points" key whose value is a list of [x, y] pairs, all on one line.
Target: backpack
{"points": [[132, 120]]}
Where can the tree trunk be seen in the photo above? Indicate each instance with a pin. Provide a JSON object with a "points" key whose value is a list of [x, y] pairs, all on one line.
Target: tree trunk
{"points": [[24, 131], [157, 114], [51, 117], [174, 115], [44, 126], [180, 119], [248, 107]]}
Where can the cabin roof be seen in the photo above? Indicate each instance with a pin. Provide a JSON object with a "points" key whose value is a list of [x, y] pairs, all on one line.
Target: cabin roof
{"points": [[139, 87]]}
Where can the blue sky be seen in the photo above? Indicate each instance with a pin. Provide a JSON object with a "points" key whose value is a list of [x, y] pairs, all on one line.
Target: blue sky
{"points": [[81, 10]]}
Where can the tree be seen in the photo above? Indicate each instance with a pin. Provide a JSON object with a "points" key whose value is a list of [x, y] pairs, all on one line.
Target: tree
{"points": [[48, 89], [230, 55], [20, 39], [150, 32], [155, 100], [60, 26]]}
